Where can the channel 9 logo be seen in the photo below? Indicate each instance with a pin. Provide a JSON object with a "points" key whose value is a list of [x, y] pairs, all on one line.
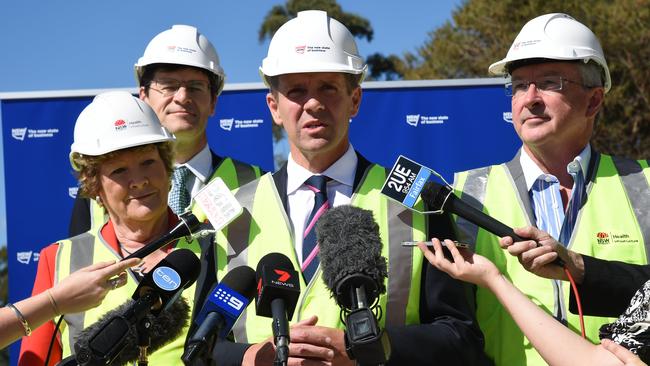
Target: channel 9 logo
{"points": [[233, 302]]}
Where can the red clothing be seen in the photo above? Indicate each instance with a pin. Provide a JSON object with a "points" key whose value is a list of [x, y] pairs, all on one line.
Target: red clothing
{"points": [[33, 349]]}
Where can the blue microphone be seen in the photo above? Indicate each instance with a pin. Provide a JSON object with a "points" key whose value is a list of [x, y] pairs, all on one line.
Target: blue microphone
{"points": [[226, 302]]}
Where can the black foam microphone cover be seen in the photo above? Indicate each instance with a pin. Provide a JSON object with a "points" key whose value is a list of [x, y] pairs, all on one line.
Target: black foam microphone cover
{"points": [[350, 245], [165, 327]]}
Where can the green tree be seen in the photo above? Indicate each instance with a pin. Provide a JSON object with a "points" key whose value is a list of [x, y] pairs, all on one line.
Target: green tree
{"points": [[481, 32]]}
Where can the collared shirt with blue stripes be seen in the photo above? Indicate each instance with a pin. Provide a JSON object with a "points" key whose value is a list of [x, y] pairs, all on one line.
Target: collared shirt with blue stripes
{"points": [[544, 191]]}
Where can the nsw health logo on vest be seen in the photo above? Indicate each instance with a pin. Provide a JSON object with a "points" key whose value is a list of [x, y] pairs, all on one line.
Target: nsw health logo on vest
{"points": [[604, 238]]}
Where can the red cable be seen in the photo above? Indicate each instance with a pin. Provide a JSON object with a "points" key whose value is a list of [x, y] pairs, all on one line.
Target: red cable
{"points": [[575, 292]]}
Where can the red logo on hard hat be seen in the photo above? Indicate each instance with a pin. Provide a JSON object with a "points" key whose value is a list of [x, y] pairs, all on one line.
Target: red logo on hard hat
{"points": [[300, 49], [119, 124], [601, 235], [284, 275], [259, 286]]}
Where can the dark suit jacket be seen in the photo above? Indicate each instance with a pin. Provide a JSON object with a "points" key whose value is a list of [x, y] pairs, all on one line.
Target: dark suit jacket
{"points": [[608, 286], [448, 333]]}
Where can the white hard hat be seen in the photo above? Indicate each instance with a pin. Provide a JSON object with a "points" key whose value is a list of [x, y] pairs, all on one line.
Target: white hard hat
{"points": [[312, 42], [181, 45], [113, 121], [555, 36]]}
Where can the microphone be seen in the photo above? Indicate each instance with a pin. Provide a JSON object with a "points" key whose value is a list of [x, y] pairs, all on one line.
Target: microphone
{"points": [[155, 301], [185, 227], [166, 327], [354, 270], [278, 289], [226, 302], [442, 198]]}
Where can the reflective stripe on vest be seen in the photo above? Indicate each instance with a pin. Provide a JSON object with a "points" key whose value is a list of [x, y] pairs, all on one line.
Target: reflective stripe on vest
{"points": [[85, 249], [613, 224], [264, 227]]}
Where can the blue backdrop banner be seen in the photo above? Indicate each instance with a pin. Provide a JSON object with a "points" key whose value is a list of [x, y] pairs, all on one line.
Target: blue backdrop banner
{"points": [[445, 125]]}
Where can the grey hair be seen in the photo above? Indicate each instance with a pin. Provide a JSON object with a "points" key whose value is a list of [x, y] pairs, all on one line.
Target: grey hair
{"points": [[591, 74]]}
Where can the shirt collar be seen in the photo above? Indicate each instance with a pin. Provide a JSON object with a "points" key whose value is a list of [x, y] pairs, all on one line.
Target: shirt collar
{"points": [[342, 171], [201, 164], [532, 172]]}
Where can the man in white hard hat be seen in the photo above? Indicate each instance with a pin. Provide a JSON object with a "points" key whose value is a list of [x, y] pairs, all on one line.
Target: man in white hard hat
{"points": [[180, 77], [314, 70], [590, 202]]}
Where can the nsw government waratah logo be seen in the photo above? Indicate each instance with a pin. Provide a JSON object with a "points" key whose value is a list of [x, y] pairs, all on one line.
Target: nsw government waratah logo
{"points": [[119, 125], [616, 238], [602, 238]]}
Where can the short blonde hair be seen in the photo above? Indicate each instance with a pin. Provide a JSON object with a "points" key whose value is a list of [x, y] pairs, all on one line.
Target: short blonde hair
{"points": [[89, 166]]}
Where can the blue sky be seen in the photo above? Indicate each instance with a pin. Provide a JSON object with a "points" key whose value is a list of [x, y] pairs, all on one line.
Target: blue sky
{"points": [[85, 44], [76, 44]]}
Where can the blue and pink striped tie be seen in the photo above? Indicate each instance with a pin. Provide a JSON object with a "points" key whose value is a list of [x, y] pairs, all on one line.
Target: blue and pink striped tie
{"points": [[318, 185]]}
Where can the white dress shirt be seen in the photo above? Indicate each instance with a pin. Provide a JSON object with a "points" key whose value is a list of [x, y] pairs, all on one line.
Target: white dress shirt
{"points": [[300, 199]]}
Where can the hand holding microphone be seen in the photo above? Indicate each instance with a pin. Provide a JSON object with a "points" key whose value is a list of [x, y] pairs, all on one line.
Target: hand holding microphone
{"points": [[539, 254]]}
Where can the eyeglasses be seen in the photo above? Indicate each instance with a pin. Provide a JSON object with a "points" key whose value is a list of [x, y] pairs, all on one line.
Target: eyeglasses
{"points": [[169, 87], [544, 84]]}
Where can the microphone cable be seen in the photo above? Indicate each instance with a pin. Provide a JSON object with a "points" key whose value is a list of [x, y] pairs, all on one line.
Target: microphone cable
{"points": [[574, 288], [49, 349]]}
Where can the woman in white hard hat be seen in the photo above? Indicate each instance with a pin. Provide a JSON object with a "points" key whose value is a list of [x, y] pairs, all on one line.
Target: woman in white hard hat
{"points": [[124, 159]]}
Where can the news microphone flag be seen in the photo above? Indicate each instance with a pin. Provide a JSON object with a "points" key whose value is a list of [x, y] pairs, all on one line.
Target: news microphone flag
{"points": [[406, 180], [218, 204]]}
